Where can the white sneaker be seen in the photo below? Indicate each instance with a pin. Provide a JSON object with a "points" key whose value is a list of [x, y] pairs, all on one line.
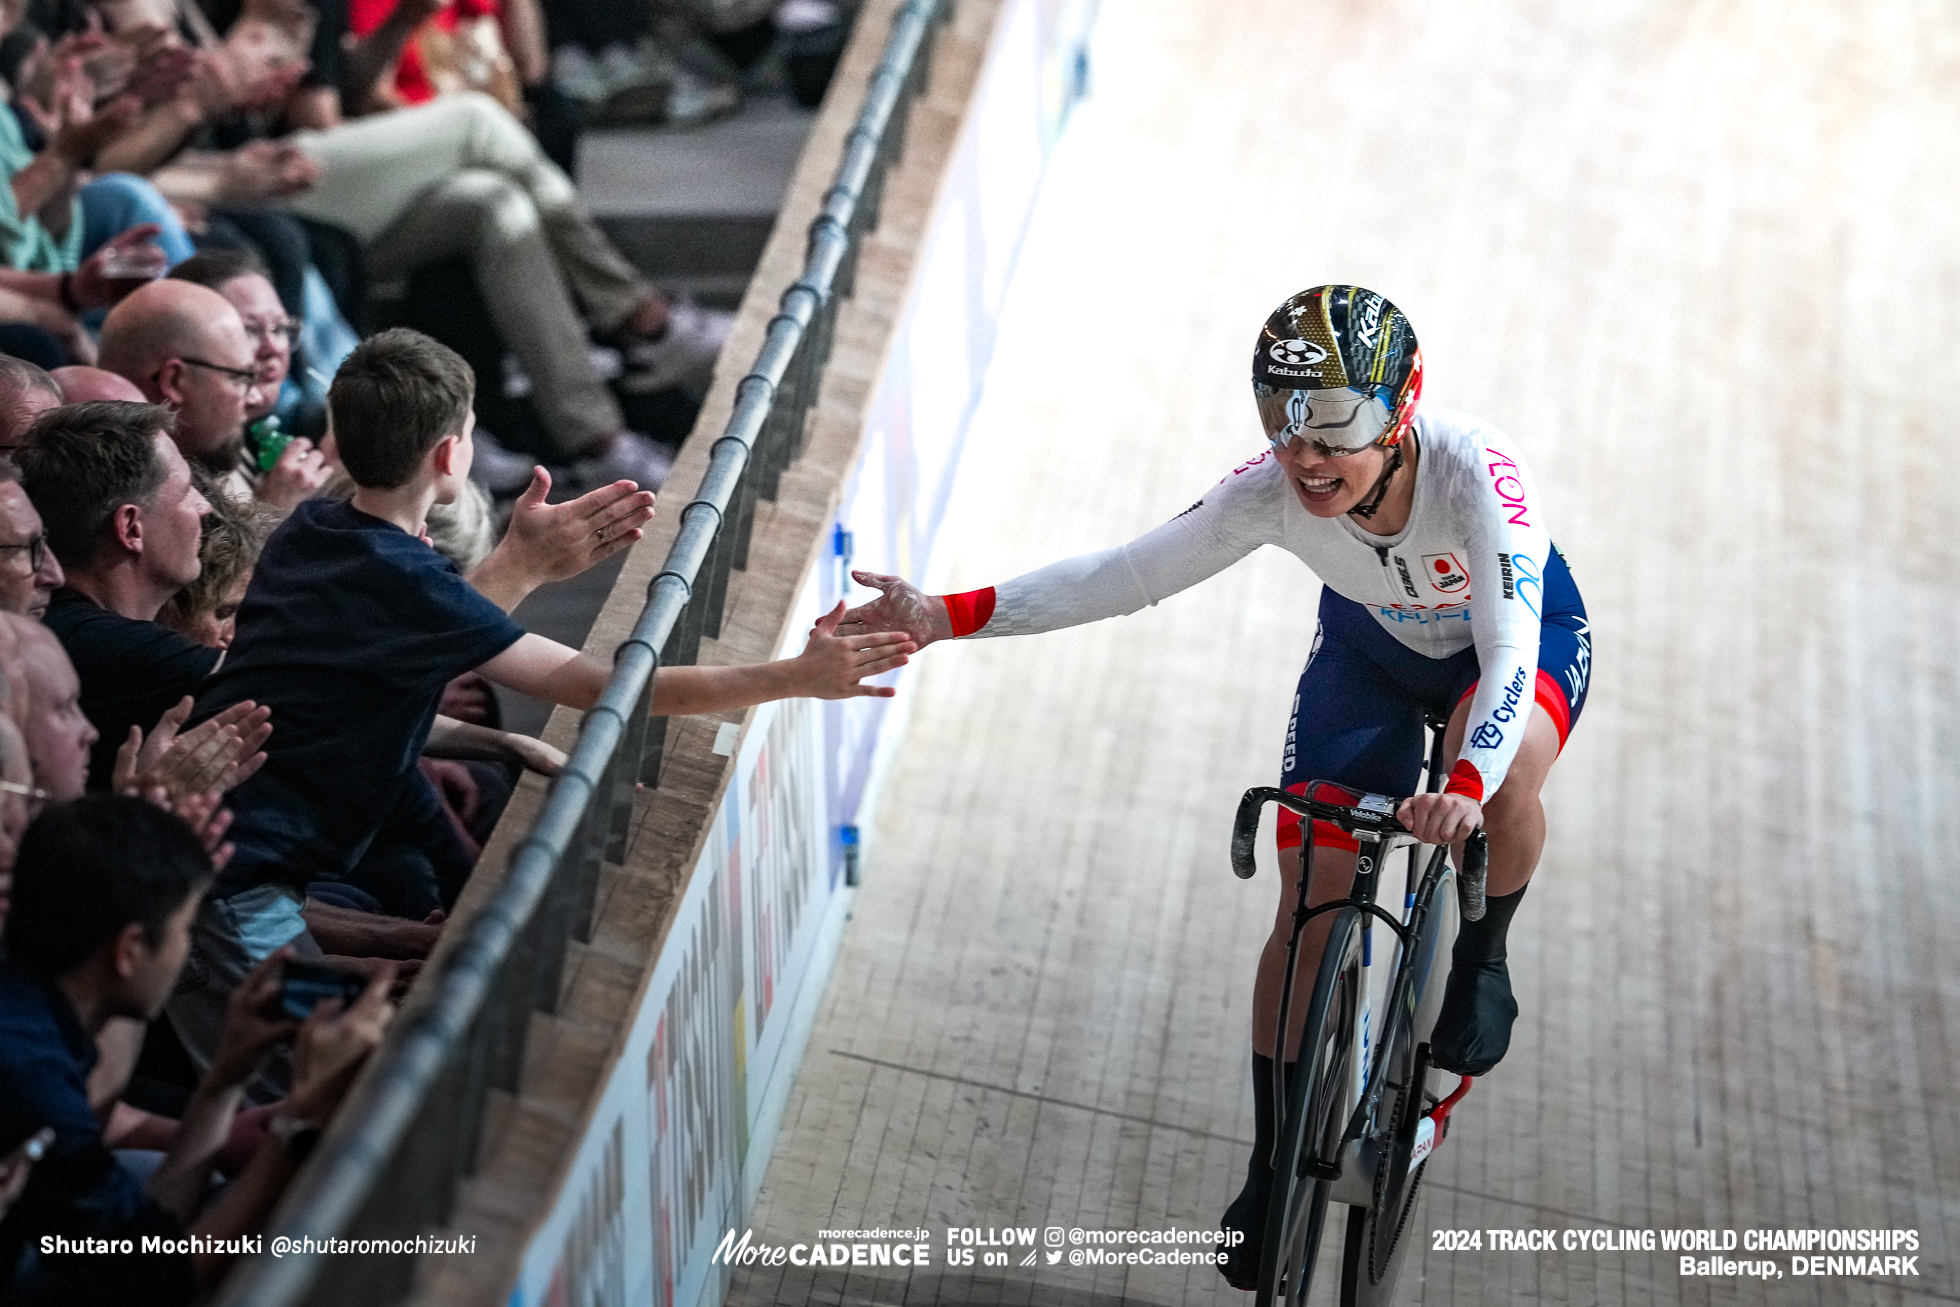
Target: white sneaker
{"points": [[630, 457], [497, 469], [579, 76], [685, 353]]}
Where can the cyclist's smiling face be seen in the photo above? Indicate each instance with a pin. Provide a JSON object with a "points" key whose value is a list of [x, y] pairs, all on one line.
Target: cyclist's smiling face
{"points": [[1329, 485], [1324, 440]]}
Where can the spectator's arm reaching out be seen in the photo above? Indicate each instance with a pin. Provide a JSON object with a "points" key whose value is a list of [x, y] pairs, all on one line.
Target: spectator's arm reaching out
{"points": [[830, 667]]}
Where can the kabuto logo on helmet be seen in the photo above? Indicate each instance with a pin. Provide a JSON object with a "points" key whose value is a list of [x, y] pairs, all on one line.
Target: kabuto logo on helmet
{"points": [[1297, 352], [1371, 318]]}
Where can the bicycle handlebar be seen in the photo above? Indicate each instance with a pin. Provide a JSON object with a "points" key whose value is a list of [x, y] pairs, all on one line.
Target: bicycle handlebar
{"points": [[1470, 885], [1374, 815], [1245, 828]]}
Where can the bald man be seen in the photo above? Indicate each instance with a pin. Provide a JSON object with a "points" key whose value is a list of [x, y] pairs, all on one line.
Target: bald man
{"points": [[81, 384], [185, 347], [59, 735], [26, 392]]}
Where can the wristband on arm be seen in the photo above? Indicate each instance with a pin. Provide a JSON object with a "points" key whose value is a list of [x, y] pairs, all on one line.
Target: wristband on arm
{"points": [[1466, 779], [969, 611]]}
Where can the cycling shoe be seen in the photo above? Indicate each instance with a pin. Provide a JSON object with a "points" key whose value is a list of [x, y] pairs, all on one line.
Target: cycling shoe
{"points": [[1473, 1030], [1246, 1217]]}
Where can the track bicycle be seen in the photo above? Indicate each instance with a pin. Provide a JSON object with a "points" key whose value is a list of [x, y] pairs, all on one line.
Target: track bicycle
{"points": [[1359, 1117]]}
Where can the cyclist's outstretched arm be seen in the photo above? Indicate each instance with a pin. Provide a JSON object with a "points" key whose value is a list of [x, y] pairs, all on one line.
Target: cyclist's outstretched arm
{"points": [[1235, 517]]}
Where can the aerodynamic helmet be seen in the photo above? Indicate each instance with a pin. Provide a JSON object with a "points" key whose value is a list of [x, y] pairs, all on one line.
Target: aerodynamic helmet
{"points": [[1339, 362]]}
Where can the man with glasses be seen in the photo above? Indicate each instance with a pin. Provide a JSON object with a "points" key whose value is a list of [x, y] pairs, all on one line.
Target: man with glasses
{"points": [[301, 469], [29, 571], [186, 348]]}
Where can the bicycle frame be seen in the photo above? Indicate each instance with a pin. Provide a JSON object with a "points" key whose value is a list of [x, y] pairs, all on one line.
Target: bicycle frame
{"points": [[1333, 1134], [1370, 819]]}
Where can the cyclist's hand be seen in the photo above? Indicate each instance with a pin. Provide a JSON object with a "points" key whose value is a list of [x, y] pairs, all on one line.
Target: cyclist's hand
{"points": [[902, 607], [1440, 818]]}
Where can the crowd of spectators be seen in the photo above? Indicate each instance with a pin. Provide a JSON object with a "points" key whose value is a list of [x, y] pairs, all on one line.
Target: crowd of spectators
{"points": [[341, 149], [255, 587], [223, 729]]}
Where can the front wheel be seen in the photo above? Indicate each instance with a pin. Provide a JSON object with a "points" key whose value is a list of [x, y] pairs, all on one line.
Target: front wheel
{"points": [[1379, 1236], [1317, 1113]]}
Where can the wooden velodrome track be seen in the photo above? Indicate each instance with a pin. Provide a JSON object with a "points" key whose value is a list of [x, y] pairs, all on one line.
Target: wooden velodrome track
{"points": [[1703, 262]]}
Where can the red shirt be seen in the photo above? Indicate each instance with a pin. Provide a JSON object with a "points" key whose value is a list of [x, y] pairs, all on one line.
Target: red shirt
{"points": [[411, 80]]}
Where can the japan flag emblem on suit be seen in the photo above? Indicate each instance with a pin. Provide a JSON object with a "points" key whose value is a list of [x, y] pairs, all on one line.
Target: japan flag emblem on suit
{"points": [[1445, 573]]}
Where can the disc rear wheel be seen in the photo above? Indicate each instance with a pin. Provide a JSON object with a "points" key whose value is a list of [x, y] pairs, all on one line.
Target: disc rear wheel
{"points": [[1379, 1235]]}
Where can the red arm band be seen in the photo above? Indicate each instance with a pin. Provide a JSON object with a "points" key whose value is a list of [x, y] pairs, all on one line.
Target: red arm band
{"points": [[970, 611], [1466, 779]]}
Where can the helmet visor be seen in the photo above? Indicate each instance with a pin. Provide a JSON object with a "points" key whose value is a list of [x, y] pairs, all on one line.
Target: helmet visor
{"points": [[1335, 422]]}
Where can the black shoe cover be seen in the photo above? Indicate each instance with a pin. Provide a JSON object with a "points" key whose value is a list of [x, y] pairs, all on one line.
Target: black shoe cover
{"points": [[1473, 1030], [1246, 1217]]}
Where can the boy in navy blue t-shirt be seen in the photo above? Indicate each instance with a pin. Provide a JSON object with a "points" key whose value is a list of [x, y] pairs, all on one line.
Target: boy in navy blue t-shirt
{"points": [[353, 625]]}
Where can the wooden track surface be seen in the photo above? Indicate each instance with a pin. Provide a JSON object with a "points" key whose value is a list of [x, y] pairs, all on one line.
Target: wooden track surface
{"points": [[1702, 261]]}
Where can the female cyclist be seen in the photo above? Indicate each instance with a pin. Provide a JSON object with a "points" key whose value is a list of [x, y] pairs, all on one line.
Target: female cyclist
{"points": [[1442, 594]]}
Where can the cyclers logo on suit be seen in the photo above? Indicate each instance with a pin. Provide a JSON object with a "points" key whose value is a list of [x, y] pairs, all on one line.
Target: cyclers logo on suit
{"points": [[1509, 578], [1513, 694], [1488, 736]]}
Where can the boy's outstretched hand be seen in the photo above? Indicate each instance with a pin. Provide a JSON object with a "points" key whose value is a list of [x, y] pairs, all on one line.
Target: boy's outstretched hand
{"points": [[832, 665], [550, 542]]}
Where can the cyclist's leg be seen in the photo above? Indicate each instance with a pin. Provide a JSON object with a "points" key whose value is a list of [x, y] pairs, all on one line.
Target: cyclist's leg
{"points": [[1473, 1030], [1354, 724], [1351, 725]]}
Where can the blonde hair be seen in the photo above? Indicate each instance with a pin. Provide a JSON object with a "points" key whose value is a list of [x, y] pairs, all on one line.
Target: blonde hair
{"points": [[234, 533]]}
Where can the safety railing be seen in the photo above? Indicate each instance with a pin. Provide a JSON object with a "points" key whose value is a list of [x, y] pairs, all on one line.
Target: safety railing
{"points": [[390, 1167]]}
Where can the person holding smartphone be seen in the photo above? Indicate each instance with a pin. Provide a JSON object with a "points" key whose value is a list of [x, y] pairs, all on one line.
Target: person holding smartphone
{"points": [[105, 889]]}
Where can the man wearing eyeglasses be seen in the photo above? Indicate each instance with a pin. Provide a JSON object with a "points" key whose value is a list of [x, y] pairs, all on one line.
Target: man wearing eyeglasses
{"points": [[29, 571], [301, 469], [186, 348]]}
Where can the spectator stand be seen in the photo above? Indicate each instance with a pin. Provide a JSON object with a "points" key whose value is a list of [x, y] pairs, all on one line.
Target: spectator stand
{"points": [[621, 995]]}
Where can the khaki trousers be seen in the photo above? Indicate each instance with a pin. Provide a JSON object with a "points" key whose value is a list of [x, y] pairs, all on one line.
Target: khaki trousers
{"points": [[459, 177]]}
